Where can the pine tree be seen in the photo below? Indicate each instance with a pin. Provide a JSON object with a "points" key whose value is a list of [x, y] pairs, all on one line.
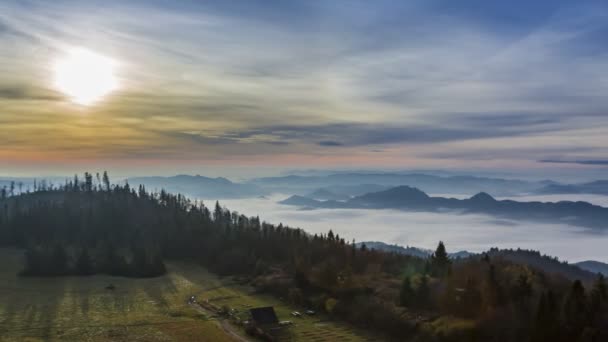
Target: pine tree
{"points": [[598, 305], [423, 293], [575, 309], [59, 261], [84, 263], [406, 294], [113, 263], [440, 261], [106, 181], [600, 288], [218, 213], [139, 264], [471, 299], [522, 289], [547, 320], [493, 295], [34, 264]]}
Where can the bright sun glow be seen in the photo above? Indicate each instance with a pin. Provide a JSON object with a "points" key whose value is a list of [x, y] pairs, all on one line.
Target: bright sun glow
{"points": [[85, 76]]}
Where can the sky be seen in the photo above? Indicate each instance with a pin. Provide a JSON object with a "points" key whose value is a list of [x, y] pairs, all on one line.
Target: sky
{"points": [[238, 86]]}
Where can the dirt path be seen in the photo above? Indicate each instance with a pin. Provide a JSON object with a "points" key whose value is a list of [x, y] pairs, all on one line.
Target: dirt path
{"points": [[224, 324]]}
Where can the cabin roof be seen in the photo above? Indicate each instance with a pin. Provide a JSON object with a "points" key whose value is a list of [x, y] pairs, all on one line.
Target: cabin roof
{"points": [[264, 315]]}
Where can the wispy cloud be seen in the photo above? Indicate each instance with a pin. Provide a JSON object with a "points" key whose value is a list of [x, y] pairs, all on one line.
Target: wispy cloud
{"points": [[203, 80], [581, 162], [330, 143]]}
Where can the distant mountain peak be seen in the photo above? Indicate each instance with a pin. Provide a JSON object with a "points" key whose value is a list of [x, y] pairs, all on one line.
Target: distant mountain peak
{"points": [[483, 197], [593, 266], [300, 201], [404, 197], [407, 190]]}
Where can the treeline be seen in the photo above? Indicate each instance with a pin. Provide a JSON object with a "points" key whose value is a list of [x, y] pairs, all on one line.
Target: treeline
{"points": [[44, 260], [515, 302], [547, 263], [91, 226], [87, 218]]}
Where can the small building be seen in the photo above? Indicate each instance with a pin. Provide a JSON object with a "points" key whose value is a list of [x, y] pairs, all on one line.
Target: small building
{"points": [[264, 316], [264, 320]]}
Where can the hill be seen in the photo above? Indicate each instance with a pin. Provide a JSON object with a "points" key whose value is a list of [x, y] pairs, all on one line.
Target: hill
{"points": [[593, 266], [429, 183], [586, 270], [324, 194], [409, 250], [200, 187], [599, 187], [408, 198], [548, 264], [355, 190]]}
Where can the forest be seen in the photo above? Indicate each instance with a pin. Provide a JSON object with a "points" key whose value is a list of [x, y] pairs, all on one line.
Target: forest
{"points": [[89, 225]]}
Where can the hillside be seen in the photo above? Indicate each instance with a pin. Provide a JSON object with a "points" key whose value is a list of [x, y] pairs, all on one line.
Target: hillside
{"points": [[593, 267], [586, 270], [146, 310], [81, 308], [125, 232]]}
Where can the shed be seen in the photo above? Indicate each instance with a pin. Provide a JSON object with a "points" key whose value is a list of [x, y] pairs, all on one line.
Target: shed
{"points": [[264, 316]]}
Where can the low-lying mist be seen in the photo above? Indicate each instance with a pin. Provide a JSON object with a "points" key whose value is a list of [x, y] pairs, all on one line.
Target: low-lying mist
{"points": [[471, 232]]}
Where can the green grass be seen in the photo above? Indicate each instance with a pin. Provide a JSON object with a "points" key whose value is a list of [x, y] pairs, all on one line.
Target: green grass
{"points": [[81, 309], [306, 328]]}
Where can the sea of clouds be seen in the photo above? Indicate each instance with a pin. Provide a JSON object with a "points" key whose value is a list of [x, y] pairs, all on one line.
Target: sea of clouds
{"points": [[471, 232]]}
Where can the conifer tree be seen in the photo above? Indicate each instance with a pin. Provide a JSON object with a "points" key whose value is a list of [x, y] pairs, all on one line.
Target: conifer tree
{"points": [[575, 309], [440, 261], [84, 263], [406, 294], [106, 181]]}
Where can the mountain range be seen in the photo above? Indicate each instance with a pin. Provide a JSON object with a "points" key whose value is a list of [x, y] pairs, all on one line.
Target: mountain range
{"points": [[599, 187], [376, 181], [412, 199], [200, 186], [343, 186]]}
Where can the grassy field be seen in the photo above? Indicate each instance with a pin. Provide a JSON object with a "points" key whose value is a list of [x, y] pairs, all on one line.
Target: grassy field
{"points": [[82, 309], [304, 328]]}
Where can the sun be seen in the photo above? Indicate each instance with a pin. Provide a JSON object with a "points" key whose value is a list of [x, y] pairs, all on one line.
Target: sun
{"points": [[85, 76]]}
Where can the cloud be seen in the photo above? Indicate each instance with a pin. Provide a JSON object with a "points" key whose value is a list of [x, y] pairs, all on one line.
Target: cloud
{"points": [[216, 79], [468, 232], [20, 92], [463, 127], [329, 143], [600, 162]]}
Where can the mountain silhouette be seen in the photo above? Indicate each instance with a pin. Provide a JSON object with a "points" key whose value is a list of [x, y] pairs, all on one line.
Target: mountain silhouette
{"points": [[408, 198]]}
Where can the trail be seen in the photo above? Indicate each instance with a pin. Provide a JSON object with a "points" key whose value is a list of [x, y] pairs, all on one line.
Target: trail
{"points": [[224, 324]]}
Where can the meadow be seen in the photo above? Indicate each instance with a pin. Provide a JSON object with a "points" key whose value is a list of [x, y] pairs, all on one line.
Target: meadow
{"points": [[155, 309]]}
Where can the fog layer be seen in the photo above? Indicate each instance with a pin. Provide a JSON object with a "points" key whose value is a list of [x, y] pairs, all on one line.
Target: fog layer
{"points": [[469, 232]]}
